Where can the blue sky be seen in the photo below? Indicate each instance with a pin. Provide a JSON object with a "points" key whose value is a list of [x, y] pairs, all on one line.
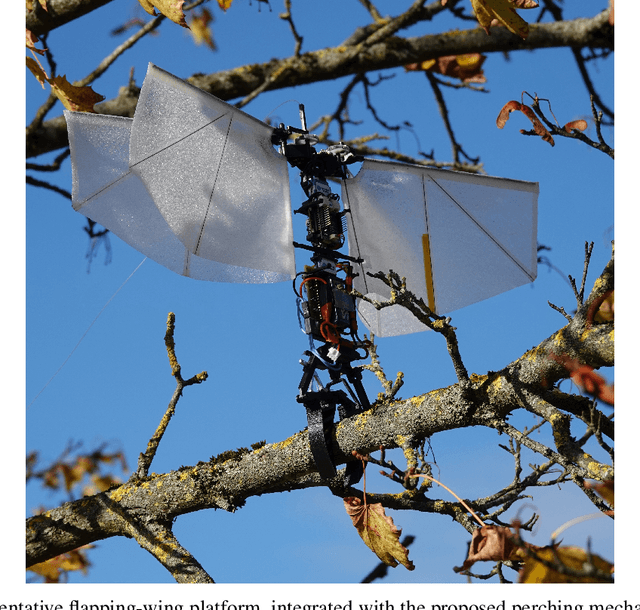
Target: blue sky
{"points": [[115, 386]]}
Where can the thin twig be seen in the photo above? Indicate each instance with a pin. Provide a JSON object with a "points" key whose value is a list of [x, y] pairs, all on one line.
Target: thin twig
{"points": [[444, 113], [390, 389], [560, 310], [145, 459], [52, 187], [289, 19], [405, 298], [54, 166]]}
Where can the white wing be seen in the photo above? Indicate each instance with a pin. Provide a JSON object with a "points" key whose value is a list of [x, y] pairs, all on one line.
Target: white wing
{"points": [[205, 169], [458, 238]]}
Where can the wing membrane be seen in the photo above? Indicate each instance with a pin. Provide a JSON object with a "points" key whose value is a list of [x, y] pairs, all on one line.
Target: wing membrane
{"points": [[197, 185], [458, 238]]}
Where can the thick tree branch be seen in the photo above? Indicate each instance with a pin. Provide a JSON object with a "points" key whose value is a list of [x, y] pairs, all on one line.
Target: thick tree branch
{"points": [[58, 13], [332, 63], [228, 480], [161, 542]]}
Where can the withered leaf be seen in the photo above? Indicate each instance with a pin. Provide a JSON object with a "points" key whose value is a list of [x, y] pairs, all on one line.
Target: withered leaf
{"points": [[604, 489], [547, 565], [605, 312], [489, 543], [52, 569], [169, 8], [200, 28], [32, 41], [224, 4], [42, 3], [468, 67], [601, 310], [37, 71], [493, 12], [579, 124], [587, 379], [81, 99], [378, 532], [538, 128]]}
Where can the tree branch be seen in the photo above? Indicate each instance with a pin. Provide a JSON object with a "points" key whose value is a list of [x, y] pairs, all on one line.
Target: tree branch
{"points": [[59, 12], [145, 459], [228, 480], [333, 63]]}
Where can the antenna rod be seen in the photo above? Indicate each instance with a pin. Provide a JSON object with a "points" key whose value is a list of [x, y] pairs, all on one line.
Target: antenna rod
{"points": [[303, 118]]}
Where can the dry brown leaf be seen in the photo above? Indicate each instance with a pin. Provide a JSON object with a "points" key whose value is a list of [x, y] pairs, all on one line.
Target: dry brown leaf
{"points": [[587, 379], [572, 557], [81, 99], [604, 489], [31, 41], [468, 68], [378, 532], [506, 110], [579, 124], [489, 543], [538, 127]]}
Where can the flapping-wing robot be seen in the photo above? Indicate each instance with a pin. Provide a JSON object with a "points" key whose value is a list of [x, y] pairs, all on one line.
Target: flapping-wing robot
{"points": [[203, 188]]}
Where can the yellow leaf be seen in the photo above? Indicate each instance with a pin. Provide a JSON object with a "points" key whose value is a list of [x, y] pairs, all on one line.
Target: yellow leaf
{"points": [[81, 99], [564, 558], [52, 569], [105, 482], [491, 12], [470, 61], [148, 6], [604, 490], [378, 532], [43, 4], [169, 8], [200, 29], [224, 4], [47, 569], [37, 70], [605, 311]]}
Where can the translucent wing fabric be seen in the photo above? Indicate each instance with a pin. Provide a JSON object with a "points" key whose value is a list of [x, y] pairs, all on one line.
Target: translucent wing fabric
{"points": [[190, 181], [458, 238]]}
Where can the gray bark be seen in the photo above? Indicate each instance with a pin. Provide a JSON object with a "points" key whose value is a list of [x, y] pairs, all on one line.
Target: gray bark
{"points": [[142, 506], [332, 63]]}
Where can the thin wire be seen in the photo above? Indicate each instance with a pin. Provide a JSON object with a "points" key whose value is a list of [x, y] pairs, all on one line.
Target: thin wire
{"points": [[573, 522], [86, 332]]}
